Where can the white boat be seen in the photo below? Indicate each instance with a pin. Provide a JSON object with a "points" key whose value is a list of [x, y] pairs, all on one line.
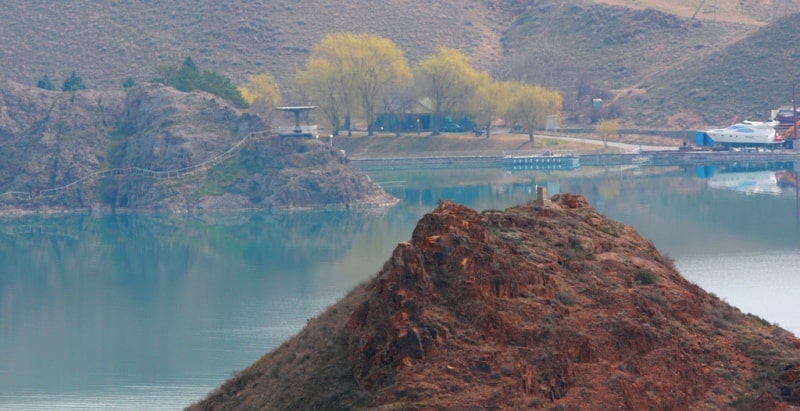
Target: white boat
{"points": [[747, 133], [753, 182]]}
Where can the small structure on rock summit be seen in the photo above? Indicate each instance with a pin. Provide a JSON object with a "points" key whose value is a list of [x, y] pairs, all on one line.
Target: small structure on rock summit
{"points": [[308, 131], [541, 196]]}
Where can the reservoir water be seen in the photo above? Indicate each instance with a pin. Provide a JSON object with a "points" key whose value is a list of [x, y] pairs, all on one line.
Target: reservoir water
{"points": [[147, 312]]}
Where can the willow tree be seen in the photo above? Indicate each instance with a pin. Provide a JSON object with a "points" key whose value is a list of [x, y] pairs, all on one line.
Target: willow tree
{"points": [[530, 105], [490, 99], [322, 83], [346, 68], [607, 129], [328, 80], [396, 103], [448, 80], [379, 68], [262, 93]]}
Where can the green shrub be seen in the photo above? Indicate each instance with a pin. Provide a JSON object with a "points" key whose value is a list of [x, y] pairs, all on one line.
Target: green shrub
{"points": [[566, 298], [645, 277]]}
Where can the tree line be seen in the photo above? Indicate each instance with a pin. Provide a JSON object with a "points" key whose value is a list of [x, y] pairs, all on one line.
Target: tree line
{"points": [[73, 83], [189, 78], [358, 75], [186, 77]]}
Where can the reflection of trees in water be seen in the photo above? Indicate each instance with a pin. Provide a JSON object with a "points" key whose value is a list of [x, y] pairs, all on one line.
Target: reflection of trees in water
{"points": [[480, 196], [292, 238], [609, 188], [26, 230], [39, 239], [140, 243]]}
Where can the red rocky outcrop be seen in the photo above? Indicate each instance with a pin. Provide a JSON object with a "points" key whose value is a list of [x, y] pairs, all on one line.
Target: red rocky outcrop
{"points": [[543, 305]]}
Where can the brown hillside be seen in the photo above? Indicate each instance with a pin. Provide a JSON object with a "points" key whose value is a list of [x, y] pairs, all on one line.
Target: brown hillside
{"points": [[618, 49], [541, 306], [108, 42]]}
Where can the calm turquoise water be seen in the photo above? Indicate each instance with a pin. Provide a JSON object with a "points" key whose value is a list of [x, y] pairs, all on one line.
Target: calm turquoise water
{"points": [[149, 312]]}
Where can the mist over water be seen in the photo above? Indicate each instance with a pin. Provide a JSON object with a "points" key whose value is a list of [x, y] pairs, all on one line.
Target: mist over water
{"points": [[153, 312]]}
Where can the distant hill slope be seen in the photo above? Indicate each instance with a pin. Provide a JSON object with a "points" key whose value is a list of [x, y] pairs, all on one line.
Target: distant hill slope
{"points": [[747, 78], [541, 306], [108, 42], [610, 49], [749, 12], [663, 70], [625, 45]]}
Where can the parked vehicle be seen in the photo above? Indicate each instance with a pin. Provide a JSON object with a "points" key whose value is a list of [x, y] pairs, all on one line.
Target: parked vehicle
{"points": [[452, 128]]}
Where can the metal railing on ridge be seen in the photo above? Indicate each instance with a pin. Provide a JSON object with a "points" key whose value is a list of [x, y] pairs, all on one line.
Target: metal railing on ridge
{"points": [[157, 174]]}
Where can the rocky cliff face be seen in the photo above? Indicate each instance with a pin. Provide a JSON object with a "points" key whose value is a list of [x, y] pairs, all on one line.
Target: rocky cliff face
{"points": [[541, 306], [167, 149]]}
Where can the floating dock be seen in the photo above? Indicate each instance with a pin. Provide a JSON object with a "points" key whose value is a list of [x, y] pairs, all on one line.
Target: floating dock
{"points": [[663, 158], [544, 162]]}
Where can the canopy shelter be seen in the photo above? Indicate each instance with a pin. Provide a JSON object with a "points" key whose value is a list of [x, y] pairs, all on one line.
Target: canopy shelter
{"points": [[298, 130]]}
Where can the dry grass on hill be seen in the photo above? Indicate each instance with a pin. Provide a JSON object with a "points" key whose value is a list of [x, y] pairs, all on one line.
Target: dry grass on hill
{"points": [[647, 52]]}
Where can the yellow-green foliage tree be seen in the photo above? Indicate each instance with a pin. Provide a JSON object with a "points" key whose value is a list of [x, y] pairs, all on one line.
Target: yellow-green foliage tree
{"points": [[345, 68], [379, 67], [322, 83], [607, 129], [396, 103], [262, 93], [490, 99], [530, 105], [328, 80], [448, 80]]}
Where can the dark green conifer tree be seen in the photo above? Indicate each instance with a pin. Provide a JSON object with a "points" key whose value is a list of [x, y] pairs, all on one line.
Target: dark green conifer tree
{"points": [[188, 77], [73, 83], [45, 83]]}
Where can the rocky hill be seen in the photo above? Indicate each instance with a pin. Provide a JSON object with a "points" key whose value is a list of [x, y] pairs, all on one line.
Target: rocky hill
{"points": [[547, 305], [154, 148]]}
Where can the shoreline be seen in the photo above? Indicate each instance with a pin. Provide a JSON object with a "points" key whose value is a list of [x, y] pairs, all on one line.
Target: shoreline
{"points": [[650, 158], [501, 142]]}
